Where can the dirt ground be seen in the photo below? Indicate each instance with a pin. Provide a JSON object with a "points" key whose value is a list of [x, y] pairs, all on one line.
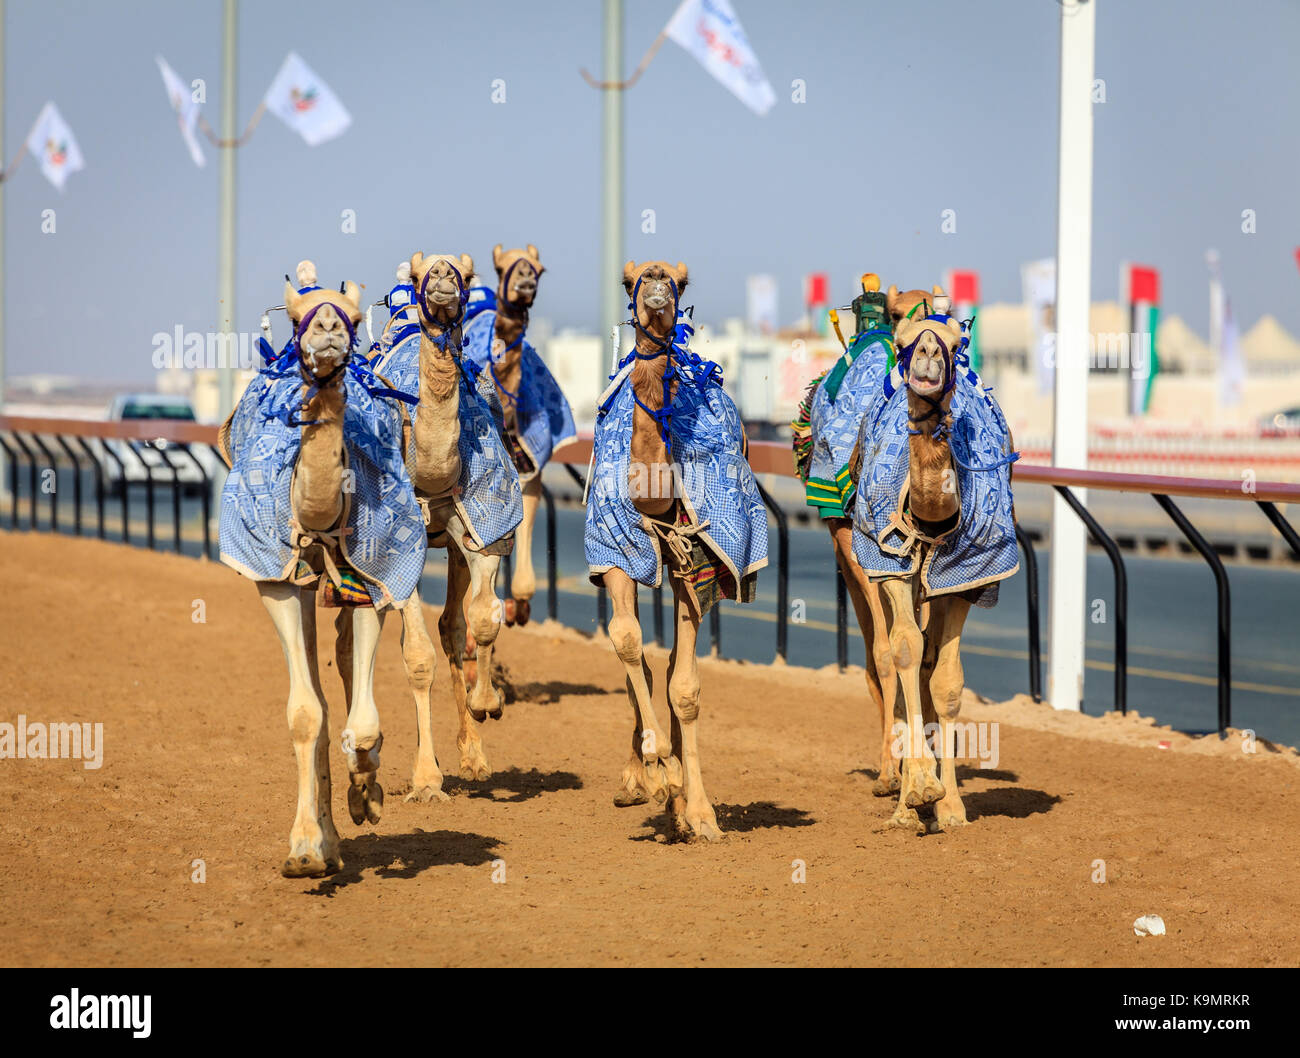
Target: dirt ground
{"points": [[97, 866]]}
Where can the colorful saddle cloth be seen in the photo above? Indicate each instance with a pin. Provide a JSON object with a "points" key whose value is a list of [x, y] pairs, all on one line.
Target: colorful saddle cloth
{"points": [[544, 418], [382, 534], [980, 550], [487, 495], [724, 521], [835, 419]]}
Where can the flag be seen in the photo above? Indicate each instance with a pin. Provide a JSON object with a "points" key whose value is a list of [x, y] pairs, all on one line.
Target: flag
{"points": [[1038, 281], [187, 110], [1231, 366], [964, 292], [305, 103], [1141, 288], [761, 303], [53, 143], [710, 30]]}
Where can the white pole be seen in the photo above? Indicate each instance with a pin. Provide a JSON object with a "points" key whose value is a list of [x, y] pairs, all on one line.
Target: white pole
{"points": [[611, 263], [4, 158], [226, 219], [1068, 584], [1216, 303]]}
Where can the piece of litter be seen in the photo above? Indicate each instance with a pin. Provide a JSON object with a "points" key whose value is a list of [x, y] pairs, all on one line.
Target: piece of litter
{"points": [[1163, 744], [1149, 925]]}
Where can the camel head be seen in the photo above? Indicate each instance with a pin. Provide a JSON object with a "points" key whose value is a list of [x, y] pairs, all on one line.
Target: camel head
{"points": [[441, 284], [324, 321], [517, 275], [654, 290], [927, 349], [914, 303]]}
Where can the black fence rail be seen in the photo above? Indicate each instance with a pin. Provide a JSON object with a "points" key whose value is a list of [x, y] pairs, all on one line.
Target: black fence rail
{"points": [[109, 462]]}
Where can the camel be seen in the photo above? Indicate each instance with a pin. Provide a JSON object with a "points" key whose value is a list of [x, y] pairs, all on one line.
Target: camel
{"points": [[536, 417], [825, 432], [935, 533], [654, 498], [290, 512], [470, 496]]}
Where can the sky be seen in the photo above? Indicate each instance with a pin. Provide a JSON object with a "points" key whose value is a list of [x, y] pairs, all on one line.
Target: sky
{"points": [[912, 108]]}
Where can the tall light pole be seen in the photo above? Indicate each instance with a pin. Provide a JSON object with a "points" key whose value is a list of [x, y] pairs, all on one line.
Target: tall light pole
{"points": [[1073, 300], [226, 217], [611, 252]]}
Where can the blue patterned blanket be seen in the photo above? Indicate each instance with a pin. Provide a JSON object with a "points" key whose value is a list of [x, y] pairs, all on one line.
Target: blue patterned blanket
{"points": [[385, 542], [706, 441], [981, 550], [543, 415], [487, 495], [835, 418]]}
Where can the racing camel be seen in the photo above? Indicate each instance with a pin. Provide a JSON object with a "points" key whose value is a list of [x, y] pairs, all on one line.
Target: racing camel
{"points": [[669, 484]]}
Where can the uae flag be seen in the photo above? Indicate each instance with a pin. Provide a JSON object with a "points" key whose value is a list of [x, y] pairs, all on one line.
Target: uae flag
{"points": [[964, 290], [305, 103], [52, 142], [1140, 285]]}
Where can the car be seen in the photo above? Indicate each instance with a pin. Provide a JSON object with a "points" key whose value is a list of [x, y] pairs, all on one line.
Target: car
{"points": [[1284, 423], [125, 462]]}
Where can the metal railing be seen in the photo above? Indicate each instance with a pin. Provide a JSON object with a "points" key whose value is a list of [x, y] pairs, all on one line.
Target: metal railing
{"points": [[36, 445]]}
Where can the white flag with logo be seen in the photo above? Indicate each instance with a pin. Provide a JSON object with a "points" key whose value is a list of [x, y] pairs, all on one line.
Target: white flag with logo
{"points": [[305, 103], [187, 110], [710, 30], [53, 143]]}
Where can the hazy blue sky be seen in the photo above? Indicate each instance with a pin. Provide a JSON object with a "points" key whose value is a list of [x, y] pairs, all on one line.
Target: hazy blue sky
{"points": [[912, 108]]}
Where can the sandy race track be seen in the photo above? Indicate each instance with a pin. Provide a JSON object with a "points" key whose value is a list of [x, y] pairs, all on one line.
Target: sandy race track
{"points": [[96, 866]]}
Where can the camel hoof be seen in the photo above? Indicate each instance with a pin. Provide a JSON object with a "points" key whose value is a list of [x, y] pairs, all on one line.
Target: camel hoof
{"points": [[508, 609], [887, 785], [926, 790], [307, 863], [426, 794], [907, 819], [946, 818], [523, 610], [630, 798], [366, 802], [705, 827]]}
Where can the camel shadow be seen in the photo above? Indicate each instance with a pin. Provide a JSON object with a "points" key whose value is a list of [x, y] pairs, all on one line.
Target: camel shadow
{"points": [[964, 774], [1013, 802], [732, 819], [519, 785], [405, 856], [550, 691]]}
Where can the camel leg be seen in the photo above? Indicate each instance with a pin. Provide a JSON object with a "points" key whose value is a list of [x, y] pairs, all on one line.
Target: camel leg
{"points": [[324, 788], [451, 630], [419, 656], [362, 738], [946, 684], [882, 679], [920, 783], [523, 581], [313, 848], [652, 771], [692, 812], [484, 616]]}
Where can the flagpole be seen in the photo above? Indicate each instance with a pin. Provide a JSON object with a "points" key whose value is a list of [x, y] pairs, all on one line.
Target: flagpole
{"points": [[1069, 603], [3, 377], [610, 290], [226, 218]]}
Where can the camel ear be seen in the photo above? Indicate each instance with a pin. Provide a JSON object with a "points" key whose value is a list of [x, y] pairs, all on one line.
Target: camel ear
{"points": [[352, 293], [538, 267], [290, 298], [629, 277], [682, 277], [892, 299], [496, 258], [466, 268]]}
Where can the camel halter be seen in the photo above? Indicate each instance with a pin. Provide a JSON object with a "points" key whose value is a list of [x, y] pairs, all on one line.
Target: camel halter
{"points": [[504, 302], [462, 297]]}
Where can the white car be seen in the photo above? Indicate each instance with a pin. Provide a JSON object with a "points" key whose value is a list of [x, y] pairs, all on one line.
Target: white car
{"points": [[137, 459]]}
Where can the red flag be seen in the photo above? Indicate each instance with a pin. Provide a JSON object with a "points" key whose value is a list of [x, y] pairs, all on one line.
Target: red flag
{"points": [[1143, 285], [1297, 257], [964, 287], [816, 289]]}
